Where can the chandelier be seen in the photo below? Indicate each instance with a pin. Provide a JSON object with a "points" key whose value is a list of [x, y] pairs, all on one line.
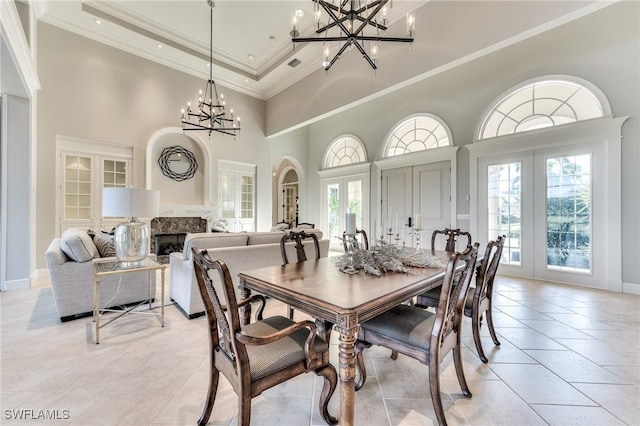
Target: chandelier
{"points": [[354, 23], [211, 113]]}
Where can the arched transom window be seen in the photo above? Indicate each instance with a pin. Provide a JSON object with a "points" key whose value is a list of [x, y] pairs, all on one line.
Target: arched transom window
{"points": [[344, 151], [418, 133], [541, 104]]}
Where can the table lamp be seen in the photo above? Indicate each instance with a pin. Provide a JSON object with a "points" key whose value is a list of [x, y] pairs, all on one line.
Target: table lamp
{"points": [[131, 238]]}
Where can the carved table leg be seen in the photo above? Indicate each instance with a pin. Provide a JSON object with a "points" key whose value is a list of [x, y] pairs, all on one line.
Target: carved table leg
{"points": [[347, 362]]}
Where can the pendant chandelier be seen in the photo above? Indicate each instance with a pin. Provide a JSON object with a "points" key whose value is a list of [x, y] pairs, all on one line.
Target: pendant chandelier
{"points": [[351, 23], [211, 113]]}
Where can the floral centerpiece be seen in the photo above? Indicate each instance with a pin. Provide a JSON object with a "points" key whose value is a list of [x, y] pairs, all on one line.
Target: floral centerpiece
{"points": [[385, 257]]}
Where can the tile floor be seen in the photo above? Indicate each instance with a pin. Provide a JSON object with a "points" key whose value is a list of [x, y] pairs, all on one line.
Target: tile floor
{"points": [[569, 355]]}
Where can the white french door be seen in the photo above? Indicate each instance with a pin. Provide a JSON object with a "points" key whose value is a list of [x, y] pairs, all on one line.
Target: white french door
{"points": [[84, 168], [550, 205], [344, 195], [407, 191], [237, 195]]}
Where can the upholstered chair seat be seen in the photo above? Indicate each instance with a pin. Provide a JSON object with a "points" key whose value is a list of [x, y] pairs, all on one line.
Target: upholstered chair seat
{"points": [[404, 324], [281, 354]]}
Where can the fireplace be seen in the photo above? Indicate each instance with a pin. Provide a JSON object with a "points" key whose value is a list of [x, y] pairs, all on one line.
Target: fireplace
{"points": [[165, 244], [168, 233]]}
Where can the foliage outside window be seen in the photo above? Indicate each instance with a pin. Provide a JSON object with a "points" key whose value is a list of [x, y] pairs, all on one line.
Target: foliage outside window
{"points": [[569, 213], [504, 203]]}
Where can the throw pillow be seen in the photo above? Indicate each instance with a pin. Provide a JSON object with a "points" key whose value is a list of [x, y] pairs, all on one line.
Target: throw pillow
{"points": [[77, 245], [105, 245]]}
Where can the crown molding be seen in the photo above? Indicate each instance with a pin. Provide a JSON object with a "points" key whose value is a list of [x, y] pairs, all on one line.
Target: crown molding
{"points": [[18, 47]]}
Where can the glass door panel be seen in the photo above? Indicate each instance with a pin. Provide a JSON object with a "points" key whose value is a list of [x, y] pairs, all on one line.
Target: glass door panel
{"points": [[569, 213], [77, 183], [333, 214], [236, 192], [504, 211], [354, 200], [290, 204]]}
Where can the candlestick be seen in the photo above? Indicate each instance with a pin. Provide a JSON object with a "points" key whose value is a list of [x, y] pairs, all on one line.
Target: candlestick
{"points": [[397, 223], [417, 231], [351, 224], [418, 221]]}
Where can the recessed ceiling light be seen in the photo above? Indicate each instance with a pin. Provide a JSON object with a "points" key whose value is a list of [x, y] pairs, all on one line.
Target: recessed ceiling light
{"points": [[294, 62], [159, 46], [251, 56], [97, 21]]}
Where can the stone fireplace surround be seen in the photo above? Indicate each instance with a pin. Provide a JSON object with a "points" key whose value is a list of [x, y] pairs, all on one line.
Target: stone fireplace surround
{"points": [[167, 234]]}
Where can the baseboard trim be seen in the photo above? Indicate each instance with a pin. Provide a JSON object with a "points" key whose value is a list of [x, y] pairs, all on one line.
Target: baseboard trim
{"points": [[188, 316], [23, 284], [631, 288]]}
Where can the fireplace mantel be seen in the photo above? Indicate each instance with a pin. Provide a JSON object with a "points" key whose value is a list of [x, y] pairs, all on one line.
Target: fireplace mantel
{"points": [[183, 210]]}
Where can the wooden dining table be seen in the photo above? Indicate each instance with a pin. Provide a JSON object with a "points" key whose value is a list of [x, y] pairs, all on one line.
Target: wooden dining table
{"points": [[338, 299]]}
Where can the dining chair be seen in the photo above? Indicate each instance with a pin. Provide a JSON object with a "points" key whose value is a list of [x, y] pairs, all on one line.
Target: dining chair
{"points": [[363, 243], [423, 335], [481, 301], [451, 238], [260, 355], [298, 238]]}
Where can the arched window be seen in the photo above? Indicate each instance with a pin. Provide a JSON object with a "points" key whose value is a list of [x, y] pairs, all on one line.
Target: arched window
{"points": [[543, 103], [344, 151], [545, 173], [418, 133]]}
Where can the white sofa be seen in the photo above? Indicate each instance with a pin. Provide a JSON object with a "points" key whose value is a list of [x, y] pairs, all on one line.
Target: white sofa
{"points": [[72, 282], [240, 251]]}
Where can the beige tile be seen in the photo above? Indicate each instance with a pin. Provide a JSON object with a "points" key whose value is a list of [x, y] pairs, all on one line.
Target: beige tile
{"points": [[522, 312], [561, 415], [555, 329], [142, 374], [537, 385], [528, 338], [619, 400], [494, 403], [505, 353], [574, 368], [601, 353]]}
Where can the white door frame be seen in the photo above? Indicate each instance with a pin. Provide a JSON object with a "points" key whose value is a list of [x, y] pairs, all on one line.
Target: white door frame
{"points": [[604, 130], [435, 155], [360, 171]]}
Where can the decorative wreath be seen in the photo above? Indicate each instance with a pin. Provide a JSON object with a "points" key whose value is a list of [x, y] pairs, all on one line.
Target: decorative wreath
{"points": [[187, 156]]}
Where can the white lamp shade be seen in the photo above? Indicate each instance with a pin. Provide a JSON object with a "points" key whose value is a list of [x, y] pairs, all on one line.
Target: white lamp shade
{"points": [[130, 202]]}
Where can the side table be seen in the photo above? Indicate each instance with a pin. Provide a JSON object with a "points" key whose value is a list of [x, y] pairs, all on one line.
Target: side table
{"points": [[103, 268]]}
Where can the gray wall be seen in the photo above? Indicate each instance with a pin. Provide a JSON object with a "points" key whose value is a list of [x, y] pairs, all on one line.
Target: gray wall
{"points": [[448, 31], [603, 48], [95, 92], [17, 111]]}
